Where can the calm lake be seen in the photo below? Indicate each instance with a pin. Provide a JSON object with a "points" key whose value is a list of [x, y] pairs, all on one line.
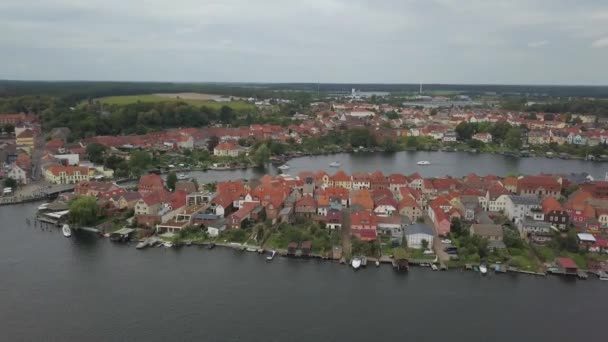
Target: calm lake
{"points": [[90, 289], [442, 164]]}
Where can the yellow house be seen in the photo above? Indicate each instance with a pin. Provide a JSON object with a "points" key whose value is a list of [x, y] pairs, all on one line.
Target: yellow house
{"points": [[25, 138], [58, 174]]}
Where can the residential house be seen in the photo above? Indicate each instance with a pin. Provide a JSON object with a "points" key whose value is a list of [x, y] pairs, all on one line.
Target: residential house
{"points": [[364, 225], [495, 198], [342, 180], [226, 149], [149, 204], [440, 220], [306, 206], [518, 207], [418, 232], [483, 137], [150, 183], [535, 231], [18, 174], [250, 211], [362, 199], [360, 181], [397, 181], [25, 138], [492, 232], [125, 200], [385, 206], [58, 174], [555, 214], [392, 226], [333, 219], [378, 180], [539, 186], [409, 208]]}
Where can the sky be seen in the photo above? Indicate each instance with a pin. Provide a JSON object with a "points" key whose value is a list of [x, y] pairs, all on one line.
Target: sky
{"points": [[338, 41]]}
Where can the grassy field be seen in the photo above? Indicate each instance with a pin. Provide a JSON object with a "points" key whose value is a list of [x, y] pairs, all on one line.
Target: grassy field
{"points": [[238, 106]]}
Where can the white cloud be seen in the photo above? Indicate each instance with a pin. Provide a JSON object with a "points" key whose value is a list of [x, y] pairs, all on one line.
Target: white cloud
{"points": [[538, 44], [600, 43]]}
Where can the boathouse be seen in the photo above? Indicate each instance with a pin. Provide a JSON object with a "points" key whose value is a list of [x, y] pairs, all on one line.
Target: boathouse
{"points": [[567, 266]]}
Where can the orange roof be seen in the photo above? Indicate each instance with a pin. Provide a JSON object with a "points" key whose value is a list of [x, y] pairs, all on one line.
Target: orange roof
{"points": [[69, 170], [340, 176], [510, 181], [363, 198], [408, 201], [551, 204], [578, 200]]}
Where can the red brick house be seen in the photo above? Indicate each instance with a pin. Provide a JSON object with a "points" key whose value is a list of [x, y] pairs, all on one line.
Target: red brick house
{"points": [[306, 206], [150, 183]]}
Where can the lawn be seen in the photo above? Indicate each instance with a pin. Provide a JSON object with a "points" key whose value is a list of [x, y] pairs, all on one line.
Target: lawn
{"points": [[239, 106]]}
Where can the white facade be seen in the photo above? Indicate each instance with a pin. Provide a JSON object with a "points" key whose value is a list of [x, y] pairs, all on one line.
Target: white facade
{"points": [[18, 174], [415, 240], [518, 207], [497, 205]]}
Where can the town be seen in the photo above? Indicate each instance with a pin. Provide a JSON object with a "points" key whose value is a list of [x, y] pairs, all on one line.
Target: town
{"points": [[529, 223]]}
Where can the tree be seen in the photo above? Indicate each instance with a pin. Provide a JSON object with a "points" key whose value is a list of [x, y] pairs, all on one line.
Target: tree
{"points": [[139, 161], [465, 131], [212, 143], [456, 226], [390, 145], [226, 114], [96, 152], [261, 155], [10, 183], [171, 180], [412, 142], [8, 128], [425, 244], [513, 138], [83, 210]]}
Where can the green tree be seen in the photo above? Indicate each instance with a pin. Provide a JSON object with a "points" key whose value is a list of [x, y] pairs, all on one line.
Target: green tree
{"points": [[10, 183], [412, 142], [96, 152], [425, 244], [171, 180], [83, 210], [390, 145], [513, 138], [8, 128], [139, 161], [226, 114], [465, 131], [261, 155]]}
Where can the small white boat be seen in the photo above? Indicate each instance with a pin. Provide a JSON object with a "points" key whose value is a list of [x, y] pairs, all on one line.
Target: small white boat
{"points": [[434, 267], [377, 263], [355, 263], [168, 244], [483, 269], [271, 256], [283, 167], [335, 164], [182, 176], [67, 232], [603, 275], [141, 245], [251, 249], [424, 162]]}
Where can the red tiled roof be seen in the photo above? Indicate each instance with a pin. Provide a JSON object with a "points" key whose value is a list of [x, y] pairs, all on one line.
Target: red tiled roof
{"points": [[534, 182], [551, 204], [566, 263]]}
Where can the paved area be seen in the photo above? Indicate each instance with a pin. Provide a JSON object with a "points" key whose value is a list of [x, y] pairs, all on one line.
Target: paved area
{"points": [[437, 245]]}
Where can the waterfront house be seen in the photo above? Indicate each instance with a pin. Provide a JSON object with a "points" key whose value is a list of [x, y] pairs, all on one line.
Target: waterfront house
{"points": [[364, 225], [59, 174], [483, 137], [342, 180], [226, 149], [150, 183], [149, 204], [333, 219], [397, 181], [249, 212], [378, 180], [306, 248], [416, 181], [585, 240], [216, 227], [292, 248], [492, 232], [392, 226], [126, 200], [222, 204], [417, 232], [360, 181], [539, 186], [18, 174], [538, 232]]}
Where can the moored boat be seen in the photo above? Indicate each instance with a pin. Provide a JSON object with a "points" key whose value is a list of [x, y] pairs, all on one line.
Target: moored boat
{"points": [[483, 269], [271, 255], [356, 263], [424, 162], [283, 167], [434, 267], [67, 232]]}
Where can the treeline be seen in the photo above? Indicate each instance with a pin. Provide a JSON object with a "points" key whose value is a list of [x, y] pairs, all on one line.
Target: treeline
{"points": [[581, 106]]}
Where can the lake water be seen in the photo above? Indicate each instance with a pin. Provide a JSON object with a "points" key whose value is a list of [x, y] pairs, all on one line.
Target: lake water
{"points": [[90, 289], [442, 164]]}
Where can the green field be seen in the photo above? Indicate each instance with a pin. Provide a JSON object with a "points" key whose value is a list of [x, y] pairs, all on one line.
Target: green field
{"points": [[239, 106]]}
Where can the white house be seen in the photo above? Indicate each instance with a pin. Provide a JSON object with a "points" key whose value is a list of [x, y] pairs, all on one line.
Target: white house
{"points": [[416, 233], [18, 174], [518, 207], [496, 205]]}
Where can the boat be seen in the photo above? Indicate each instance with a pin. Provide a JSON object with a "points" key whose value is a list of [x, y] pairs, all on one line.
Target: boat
{"points": [[67, 232], [356, 263], [335, 164], [483, 269], [141, 245], [283, 167], [271, 256], [434, 267], [377, 263], [182, 176], [603, 275], [168, 244], [251, 249], [424, 162]]}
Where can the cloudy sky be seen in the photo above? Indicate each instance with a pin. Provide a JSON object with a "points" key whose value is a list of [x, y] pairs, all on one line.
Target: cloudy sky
{"points": [[397, 41]]}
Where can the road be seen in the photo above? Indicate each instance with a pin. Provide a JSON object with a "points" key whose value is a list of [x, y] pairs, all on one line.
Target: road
{"points": [[437, 245]]}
